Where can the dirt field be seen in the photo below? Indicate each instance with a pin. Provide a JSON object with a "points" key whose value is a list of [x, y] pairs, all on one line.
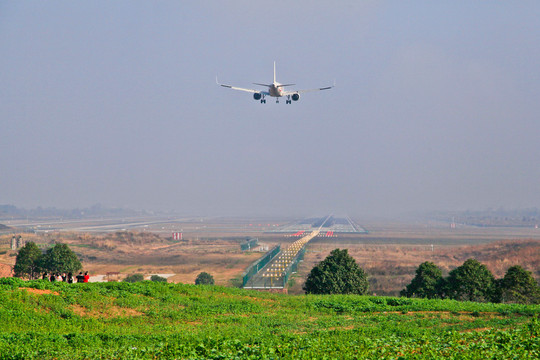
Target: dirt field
{"points": [[390, 253], [392, 266], [147, 253]]}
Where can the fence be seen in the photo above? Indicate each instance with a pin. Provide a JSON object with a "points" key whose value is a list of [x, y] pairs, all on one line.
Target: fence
{"points": [[255, 267], [250, 243]]}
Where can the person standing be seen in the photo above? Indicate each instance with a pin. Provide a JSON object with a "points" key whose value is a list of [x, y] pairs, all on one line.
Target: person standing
{"points": [[86, 277], [80, 277]]}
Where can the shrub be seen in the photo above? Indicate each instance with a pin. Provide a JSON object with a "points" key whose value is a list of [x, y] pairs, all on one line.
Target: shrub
{"points": [[472, 281], [204, 278], [157, 278], [28, 261], [60, 259], [337, 274], [134, 278], [518, 286], [426, 283]]}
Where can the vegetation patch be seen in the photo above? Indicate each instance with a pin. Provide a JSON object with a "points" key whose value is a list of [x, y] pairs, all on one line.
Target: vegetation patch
{"points": [[148, 320]]}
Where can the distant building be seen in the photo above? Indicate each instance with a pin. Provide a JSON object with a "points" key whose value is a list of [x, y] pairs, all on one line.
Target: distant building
{"points": [[177, 236], [17, 242]]}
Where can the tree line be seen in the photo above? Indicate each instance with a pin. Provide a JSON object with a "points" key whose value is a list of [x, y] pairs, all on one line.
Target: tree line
{"points": [[472, 281], [31, 261]]}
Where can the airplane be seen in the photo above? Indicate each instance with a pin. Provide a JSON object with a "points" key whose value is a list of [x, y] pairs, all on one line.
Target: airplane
{"points": [[275, 90]]}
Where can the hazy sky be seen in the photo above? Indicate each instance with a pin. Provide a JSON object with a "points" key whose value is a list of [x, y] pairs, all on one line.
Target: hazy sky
{"points": [[436, 106]]}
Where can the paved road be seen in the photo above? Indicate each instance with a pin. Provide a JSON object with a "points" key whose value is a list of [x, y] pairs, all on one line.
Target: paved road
{"points": [[101, 225]]}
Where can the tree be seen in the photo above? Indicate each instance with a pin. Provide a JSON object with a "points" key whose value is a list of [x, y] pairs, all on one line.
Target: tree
{"points": [[28, 261], [337, 274], [471, 281], [204, 278], [61, 259], [157, 278], [426, 283], [134, 278], [518, 286]]}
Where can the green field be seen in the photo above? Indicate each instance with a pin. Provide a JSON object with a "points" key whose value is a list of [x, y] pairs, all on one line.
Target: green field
{"points": [[41, 320]]}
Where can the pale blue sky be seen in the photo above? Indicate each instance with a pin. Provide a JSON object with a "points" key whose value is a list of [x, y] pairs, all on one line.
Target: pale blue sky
{"points": [[114, 102]]}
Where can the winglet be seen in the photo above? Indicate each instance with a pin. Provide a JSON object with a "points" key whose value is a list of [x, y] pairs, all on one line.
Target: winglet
{"points": [[220, 84]]}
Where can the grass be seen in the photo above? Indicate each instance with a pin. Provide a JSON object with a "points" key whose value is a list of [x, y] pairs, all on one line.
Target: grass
{"points": [[41, 320]]}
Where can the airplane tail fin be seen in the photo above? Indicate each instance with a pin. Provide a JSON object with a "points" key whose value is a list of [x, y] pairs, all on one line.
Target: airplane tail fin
{"points": [[274, 71]]}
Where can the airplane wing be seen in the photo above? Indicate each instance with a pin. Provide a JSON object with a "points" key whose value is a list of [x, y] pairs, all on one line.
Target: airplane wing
{"points": [[307, 90], [243, 89]]}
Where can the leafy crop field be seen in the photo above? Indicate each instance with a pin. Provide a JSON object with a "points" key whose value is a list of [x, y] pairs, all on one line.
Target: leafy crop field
{"points": [[41, 320]]}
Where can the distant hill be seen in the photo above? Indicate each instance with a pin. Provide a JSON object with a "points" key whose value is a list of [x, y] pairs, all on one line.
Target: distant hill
{"points": [[493, 218], [4, 229]]}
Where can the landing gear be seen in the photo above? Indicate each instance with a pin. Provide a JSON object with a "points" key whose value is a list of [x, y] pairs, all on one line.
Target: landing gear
{"points": [[277, 101], [263, 100], [288, 101]]}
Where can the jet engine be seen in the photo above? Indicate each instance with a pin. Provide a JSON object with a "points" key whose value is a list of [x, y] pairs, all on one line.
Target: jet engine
{"points": [[295, 97], [257, 96]]}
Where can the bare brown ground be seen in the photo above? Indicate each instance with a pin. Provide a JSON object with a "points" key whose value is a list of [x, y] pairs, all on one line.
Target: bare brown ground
{"points": [[147, 253], [40, 292], [106, 312], [6, 270]]}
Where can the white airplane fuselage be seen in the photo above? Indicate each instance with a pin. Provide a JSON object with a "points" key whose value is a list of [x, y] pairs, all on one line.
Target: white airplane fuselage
{"points": [[275, 90]]}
